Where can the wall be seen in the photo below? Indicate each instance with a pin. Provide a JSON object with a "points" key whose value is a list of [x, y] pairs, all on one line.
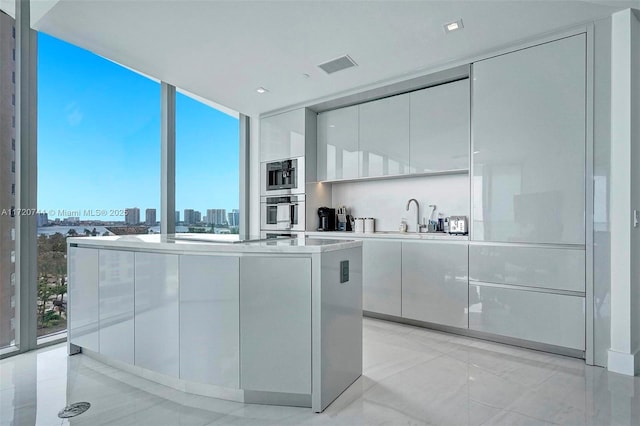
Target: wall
{"points": [[254, 177], [385, 200], [635, 179], [602, 188]]}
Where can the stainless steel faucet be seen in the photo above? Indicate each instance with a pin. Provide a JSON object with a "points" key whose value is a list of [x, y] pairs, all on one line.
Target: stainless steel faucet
{"points": [[417, 212]]}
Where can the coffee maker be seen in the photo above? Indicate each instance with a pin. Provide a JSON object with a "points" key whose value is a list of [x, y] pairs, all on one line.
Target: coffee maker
{"points": [[327, 218]]}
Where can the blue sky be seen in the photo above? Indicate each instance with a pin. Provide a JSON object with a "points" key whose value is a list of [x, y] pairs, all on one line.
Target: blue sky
{"points": [[99, 139]]}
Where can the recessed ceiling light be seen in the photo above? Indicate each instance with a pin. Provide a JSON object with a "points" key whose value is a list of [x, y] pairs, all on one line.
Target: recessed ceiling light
{"points": [[261, 90], [453, 26]]}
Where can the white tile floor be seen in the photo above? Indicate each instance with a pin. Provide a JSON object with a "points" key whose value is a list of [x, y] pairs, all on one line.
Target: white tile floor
{"points": [[411, 376]]}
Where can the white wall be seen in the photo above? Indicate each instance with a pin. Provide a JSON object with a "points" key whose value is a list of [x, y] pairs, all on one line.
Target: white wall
{"points": [[385, 200], [254, 177], [624, 356]]}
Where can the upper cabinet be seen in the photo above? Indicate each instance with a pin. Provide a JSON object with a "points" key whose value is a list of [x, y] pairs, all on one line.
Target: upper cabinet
{"points": [[426, 131], [338, 144], [440, 120], [282, 136], [529, 119], [384, 137]]}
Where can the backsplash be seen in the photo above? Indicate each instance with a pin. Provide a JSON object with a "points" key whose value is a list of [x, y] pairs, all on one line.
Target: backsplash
{"points": [[386, 200]]}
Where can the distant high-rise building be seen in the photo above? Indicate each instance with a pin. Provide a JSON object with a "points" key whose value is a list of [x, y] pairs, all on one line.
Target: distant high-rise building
{"points": [[196, 217], [150, 217], [216, 217], [177, 217], [234, 217], [7, 180], [42, 219], [133, 216], [189, 217]]}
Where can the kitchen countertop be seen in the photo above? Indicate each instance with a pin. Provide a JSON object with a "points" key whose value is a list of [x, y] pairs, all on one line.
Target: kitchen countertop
{"points": [[389, 235], [214, 243]]}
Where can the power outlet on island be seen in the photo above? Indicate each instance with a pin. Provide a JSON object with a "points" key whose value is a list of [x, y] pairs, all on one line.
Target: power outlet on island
{"points": [[344, 271]]}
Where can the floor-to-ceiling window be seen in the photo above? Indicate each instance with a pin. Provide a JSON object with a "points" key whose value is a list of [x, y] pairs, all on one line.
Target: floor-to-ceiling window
{"points": [[8, 290], [207, 168], [98, 160]]}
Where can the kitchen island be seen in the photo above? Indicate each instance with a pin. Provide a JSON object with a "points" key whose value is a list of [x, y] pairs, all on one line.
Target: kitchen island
{"points": [[258, 321]]}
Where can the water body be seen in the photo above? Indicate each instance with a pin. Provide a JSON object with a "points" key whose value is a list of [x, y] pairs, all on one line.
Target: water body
{"points": [[50, 230]]}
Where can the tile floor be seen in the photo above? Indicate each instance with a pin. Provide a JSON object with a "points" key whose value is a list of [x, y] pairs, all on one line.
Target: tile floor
{"points": [[412, 376]]}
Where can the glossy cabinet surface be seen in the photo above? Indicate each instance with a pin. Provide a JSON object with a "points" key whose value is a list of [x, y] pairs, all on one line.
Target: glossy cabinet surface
{"points": [[156, 311], [552, 268], [282, 136], [384, 137], [382, 277], [440, 121], [209, 320], [84, 320], [275, 324], [528, 133], [553, 319], [435, 283], [338, 144], [117, 305]]}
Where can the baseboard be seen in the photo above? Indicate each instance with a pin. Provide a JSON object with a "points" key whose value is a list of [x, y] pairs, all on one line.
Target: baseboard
{"points": [[624, 363]]}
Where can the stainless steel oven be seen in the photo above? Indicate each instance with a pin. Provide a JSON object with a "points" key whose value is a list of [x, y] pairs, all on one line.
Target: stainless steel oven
{"points": [[282, 177], [282, 213]]}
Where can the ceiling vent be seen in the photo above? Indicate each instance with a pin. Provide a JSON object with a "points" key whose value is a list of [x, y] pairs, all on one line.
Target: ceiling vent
{"points": [[338, 64]]}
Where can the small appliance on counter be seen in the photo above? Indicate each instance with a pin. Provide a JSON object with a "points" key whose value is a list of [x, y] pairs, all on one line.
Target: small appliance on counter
{"points": [[358, 225], [327, 219], [458, 225]]}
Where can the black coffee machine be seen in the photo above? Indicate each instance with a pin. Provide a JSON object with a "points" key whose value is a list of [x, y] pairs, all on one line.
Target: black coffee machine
{"points": [[327, 219]]}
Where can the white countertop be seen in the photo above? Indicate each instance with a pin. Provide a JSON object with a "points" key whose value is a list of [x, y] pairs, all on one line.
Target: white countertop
{"points": [[441, 236], [214, 243]]}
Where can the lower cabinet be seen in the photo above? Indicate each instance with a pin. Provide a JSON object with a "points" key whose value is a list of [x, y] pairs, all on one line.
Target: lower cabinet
{"points": [[117, 304], [435, 282], [382, 277], [209, 320], [275, 324], [84, 319], [554, 319], [157, 312]]}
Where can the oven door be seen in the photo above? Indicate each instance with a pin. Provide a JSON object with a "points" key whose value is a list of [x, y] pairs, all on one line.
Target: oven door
{"points": [[295, 207], [282, 186]]}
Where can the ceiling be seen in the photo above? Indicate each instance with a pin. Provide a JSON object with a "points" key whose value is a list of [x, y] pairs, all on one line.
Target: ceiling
{"points": [[224, 50]]}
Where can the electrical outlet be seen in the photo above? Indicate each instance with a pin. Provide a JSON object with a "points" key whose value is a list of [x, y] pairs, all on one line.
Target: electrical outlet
{"points": [[636, 218], [344, 271]]}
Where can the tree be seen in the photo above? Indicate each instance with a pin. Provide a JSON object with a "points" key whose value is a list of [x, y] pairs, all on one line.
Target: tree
{"points": [[72, 232]]}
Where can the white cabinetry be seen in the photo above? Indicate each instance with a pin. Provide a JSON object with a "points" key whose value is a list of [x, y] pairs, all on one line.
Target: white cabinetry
{"points": [[440, 121], [382, 277], [283, 136], [384, 137], [117, 304], [435, 283], [554, 319], [275, 324], [209, 320], [84, 318], [156, 312], [528, 127], [338, 144]]}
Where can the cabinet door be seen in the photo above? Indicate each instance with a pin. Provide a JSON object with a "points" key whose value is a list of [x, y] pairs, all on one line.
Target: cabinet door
{"points": [[381, 277], [529, 145], [116, 305], [156, 312], [435, 283], [338, 144], [84, 317], [440, 120], [209, 320], [554, 319], [384, 137], [282, 136], [275, 324]]}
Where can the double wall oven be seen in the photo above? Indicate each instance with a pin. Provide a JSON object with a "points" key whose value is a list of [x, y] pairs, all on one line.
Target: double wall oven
{"points": [[282, 198]]}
